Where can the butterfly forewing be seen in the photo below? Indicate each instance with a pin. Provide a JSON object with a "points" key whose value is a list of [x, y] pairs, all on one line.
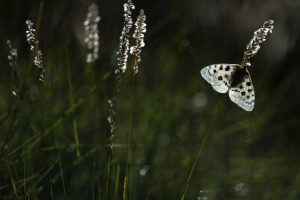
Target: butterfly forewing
{"points": [[219, 76]]}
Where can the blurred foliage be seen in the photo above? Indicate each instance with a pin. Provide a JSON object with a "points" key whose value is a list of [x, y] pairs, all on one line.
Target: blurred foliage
{"points": [[248, 155]]}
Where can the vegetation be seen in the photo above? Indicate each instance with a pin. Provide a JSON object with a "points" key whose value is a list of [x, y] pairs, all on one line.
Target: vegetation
{"points": [[80, 121]]}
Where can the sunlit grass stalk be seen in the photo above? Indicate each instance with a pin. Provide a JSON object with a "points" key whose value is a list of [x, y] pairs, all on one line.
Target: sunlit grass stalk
{"points": [[200, 149], [122, 63], [117, 181], [136, 51], [124, 43], [34, 46], [124, 191], [38, 23]]}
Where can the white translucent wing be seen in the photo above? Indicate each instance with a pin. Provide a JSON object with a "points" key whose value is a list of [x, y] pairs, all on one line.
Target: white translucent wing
{"points": [[219, 76], [243, 94]]}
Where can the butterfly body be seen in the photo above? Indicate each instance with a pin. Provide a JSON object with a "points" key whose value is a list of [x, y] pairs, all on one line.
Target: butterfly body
{"points": [[234, 79], [238, 76]]}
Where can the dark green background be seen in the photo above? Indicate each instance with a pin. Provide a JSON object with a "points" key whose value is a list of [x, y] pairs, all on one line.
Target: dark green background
{"points": [[248, 155]]}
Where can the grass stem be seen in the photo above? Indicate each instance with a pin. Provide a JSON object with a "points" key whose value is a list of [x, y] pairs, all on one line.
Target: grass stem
{"points": [[200, 149], [72, 104]]}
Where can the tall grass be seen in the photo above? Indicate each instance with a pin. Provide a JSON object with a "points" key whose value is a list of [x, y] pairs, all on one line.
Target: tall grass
{"points": [[92, 41], [162, 139]]}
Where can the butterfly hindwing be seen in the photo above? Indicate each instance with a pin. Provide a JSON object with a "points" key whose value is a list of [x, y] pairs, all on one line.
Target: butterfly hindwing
{"points": [[243, 94], [219, 76]]}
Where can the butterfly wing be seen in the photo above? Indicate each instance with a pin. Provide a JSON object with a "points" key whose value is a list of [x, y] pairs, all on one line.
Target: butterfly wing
{"points": [[243, 94], [219, 76]]}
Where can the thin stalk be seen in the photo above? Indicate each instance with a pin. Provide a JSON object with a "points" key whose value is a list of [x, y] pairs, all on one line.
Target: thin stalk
{"points": [[38, 23], [57, 149], [126, 175], [24, 175], [117, 181], [12, 180], [124, 191], [131, 110], [76, 162], [94, 181], [107, 177], [51, 191], [32, 193], [100, 193], [71, 187], [200, 149], [129, 141], [63, 116], [15, 150], [111, 157], [43, 175], [154, 178], [17, 178], [72, 104]]}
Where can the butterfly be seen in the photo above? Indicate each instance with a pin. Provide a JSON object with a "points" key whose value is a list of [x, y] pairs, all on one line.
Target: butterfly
{"points": [[232, 78]]}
